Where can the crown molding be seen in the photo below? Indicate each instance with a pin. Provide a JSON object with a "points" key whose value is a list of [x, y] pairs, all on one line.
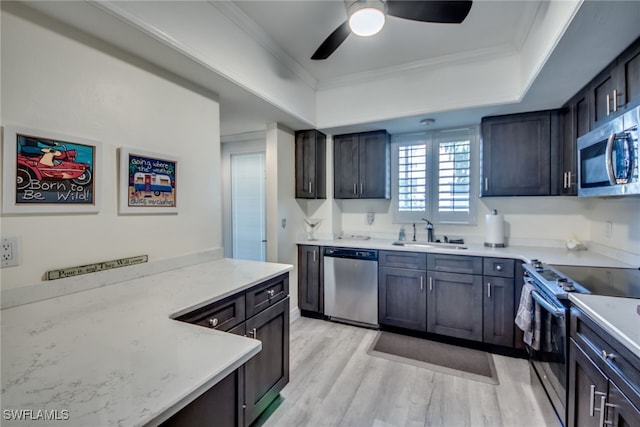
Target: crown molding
{"points": [[524, 28], [249, 26], [418, 67], [258, 135]]}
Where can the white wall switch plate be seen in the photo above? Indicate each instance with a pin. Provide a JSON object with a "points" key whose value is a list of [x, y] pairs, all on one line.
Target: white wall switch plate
{"points": [[10, 256], [608, 229]]}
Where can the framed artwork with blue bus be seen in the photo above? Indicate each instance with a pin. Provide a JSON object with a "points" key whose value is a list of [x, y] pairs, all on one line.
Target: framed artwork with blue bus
{"points": [[148, 182], [46, 172]]}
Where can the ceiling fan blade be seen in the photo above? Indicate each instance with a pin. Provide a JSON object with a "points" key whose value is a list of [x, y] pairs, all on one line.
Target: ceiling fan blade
{"points": [[447, 12], [332, 42]]}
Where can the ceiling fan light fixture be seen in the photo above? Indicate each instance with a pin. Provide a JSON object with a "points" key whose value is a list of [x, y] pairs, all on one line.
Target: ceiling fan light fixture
{"points": [[367, 18]]}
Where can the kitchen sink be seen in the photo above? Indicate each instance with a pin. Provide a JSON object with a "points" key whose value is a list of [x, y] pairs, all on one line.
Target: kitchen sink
{"points": [[430, 245]]}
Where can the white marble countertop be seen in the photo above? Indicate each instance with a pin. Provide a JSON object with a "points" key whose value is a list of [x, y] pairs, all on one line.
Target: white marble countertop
{"points": [[112, 356], [549, 255], [620, 317]]}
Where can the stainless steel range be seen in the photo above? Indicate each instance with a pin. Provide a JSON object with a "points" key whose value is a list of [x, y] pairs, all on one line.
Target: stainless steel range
{"points": [[550, 286]]}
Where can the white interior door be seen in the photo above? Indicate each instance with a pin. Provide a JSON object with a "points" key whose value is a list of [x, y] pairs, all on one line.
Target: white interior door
{"points": [[248, 212]]}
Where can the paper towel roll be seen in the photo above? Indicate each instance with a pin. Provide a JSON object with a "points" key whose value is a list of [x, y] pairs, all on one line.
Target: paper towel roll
{"points": [[494, 228]]}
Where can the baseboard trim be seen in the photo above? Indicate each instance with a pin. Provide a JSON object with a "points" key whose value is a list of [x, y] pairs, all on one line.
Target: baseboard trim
{"points": [[294, 314]]}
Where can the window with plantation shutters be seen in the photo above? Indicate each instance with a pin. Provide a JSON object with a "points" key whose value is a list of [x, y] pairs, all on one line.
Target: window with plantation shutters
{"points": [[432, 177], [454, 170], [412, 178]]}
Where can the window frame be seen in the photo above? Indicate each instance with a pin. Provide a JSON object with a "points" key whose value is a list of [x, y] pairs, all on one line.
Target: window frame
{"points": [[432, 141]]}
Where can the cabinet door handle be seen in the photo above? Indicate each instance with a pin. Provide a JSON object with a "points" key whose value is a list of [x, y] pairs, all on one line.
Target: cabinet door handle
{"points": [[569, 179], [361, 188], [592, 402], [489, 290], [609, 422], [486, 184], [615, 100], [271, 293], [608, 104], [355, 188], [430, 283], [422, 283], [314, 256], [213, 322], [310, 187], [603, 401], [564, 180], [253, 334]]}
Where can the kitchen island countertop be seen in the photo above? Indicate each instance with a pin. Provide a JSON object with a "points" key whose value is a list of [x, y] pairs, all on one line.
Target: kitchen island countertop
{"points": [[113, 355]]}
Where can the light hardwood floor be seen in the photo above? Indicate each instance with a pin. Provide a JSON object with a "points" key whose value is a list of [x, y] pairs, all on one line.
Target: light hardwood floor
{"points": [[334, 382]]}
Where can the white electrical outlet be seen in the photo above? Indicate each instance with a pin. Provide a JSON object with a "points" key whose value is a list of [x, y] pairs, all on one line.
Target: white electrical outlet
{"points": [[10, 254]]}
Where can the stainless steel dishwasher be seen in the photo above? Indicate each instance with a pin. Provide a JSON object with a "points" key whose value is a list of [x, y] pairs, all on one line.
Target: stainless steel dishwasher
{"points": [[351, 286]]}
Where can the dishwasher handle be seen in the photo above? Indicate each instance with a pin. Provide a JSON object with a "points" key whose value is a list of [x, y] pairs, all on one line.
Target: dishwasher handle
{"points": [[353, 253]]}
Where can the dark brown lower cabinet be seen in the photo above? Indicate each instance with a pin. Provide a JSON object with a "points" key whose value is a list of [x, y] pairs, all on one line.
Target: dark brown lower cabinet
{"points": [[498, 311], [241, 397], [454, 305], [604, 378], [402, 298], [310, 287], [588, 385], [622, 412], [594, 400], [222, 403], [267, 372]]}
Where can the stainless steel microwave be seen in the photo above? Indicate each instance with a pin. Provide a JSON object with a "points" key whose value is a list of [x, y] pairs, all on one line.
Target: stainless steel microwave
{"points": [[608, 158]]}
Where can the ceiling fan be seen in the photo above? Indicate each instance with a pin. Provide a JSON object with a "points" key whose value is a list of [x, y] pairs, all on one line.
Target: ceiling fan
{"points": [[367, 17]]}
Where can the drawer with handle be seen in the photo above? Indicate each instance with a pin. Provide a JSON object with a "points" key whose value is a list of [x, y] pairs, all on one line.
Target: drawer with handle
{"points": [[222, 315], [499, 267], [266, 294], [454, 263], [616, 360], [401, 259]]}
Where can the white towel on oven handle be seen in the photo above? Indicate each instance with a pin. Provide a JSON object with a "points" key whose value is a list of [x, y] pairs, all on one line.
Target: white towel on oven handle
{"points": [[524, 317], [529, 317]]}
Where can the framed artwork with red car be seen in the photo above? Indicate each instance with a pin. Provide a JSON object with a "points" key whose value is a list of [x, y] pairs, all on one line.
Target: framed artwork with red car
{"points": [[47, 172]]}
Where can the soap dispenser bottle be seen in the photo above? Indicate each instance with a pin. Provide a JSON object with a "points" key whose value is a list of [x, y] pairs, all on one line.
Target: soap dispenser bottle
{"points": [[402, 235]]}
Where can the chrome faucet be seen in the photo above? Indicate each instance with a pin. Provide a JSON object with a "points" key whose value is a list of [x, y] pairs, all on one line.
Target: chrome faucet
{"points": [[429, 230]]}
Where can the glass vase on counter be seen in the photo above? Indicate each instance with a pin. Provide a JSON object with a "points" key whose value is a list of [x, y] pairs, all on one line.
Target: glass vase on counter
{"points": [[312, 224]]}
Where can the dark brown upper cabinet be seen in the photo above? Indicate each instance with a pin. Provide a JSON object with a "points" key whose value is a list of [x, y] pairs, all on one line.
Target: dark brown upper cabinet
{"points": [[310, 164], [616, 89], [575, 123], [629, 75], [520, 154], [361, 164]]}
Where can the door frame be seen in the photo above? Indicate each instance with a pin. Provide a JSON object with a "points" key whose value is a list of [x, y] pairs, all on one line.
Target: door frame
{"points": [[254, 142]]}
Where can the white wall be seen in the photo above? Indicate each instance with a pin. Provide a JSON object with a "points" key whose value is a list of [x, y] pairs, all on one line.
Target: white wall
{"points": [[624, 215], [529, 220], [282, 205], [56, 79]]}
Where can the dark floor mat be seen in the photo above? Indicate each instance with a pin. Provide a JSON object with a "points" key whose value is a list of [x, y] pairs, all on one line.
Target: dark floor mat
{"points": [[450, 359]]}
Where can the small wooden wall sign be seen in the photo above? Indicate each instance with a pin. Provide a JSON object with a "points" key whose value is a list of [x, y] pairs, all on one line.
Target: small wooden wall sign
{"points": [[98, 266]]}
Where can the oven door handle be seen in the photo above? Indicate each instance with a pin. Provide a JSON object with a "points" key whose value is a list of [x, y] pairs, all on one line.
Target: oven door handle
{"points": [[555, 311]]}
